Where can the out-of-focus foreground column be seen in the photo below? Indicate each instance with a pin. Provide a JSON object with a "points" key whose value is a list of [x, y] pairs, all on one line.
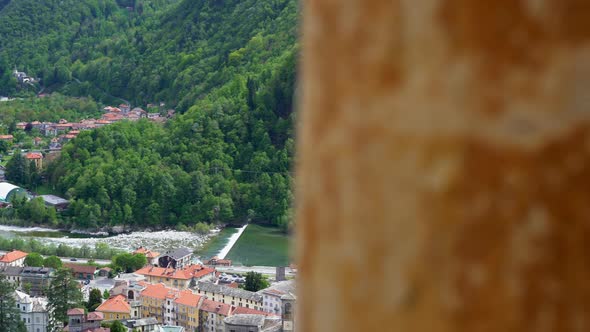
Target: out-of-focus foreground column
{"points": [[444, 166]]}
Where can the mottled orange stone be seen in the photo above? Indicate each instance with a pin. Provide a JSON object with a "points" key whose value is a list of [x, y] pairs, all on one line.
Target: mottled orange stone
{"points": [[443, 176]]}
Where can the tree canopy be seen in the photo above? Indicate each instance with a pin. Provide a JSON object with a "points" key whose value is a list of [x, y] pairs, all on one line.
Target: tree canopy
{"points": [[227, 67]]}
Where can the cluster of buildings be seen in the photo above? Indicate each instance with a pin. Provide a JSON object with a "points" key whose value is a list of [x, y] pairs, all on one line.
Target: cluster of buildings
{"points": [[8, 191], [171, 293], [63, 130]]}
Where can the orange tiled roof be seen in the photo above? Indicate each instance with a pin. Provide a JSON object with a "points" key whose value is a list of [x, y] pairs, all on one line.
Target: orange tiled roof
{"points": [[13, 256], [215, 307], [188, 272], [34, 155], [94, 316], [188, 298], [157, 291], [6, 137], [117, 303], [148, 253]]}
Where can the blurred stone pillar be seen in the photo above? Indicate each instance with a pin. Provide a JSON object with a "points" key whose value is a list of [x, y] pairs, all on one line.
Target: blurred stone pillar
{"points": [[444, 166]]}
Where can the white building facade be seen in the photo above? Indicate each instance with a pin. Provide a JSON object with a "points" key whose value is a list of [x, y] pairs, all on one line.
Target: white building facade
{"points": [[33, 311]]}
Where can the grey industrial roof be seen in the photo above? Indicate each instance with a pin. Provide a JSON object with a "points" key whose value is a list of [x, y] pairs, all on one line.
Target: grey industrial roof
{"points": [[11, 270], [178, 253], [228, 291], [54, 200], [141, 322], [283, 287], [245, 320]]}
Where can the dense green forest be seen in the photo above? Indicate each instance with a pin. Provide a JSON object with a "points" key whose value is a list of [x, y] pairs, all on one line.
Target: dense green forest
{"points": [[50, 109], [227, 66]]}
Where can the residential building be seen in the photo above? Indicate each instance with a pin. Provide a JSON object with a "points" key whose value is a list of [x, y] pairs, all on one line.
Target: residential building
{"points": [[104, 271], [54, 144], [36, 157], [153, 300], [176, 259], [171, 306], [13, 258], [149, 324], [82, 271], [186, 309], [233, 296], [177, 278], [12, 274], [36, 279], [78, 321], [33, 311], [6, 137], [212, 314], [216, 261], [115, 308], [271, 296], [152, 256], [252, 323], [288, 312]]}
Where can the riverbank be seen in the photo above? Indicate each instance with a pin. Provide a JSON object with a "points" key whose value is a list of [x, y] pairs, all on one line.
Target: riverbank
{"points": [[157, 241], [257, 245]]}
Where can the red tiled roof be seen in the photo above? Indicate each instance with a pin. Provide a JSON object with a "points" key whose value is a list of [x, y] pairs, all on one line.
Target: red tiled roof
{"points": [[188, 298], [274, 291], [34, 155], [79, 268], [250, 311], [148, 253], [215, 307], [94, 316], [117, 303], [188, 272], [6, 137], [75, 312], [13, 256]]}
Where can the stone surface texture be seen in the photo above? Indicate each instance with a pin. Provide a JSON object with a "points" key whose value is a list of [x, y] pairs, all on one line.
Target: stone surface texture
{"points": [[443, 169]]}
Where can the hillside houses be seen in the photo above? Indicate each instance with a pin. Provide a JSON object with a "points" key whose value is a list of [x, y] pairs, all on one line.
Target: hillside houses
{"points": [[64, 131]]}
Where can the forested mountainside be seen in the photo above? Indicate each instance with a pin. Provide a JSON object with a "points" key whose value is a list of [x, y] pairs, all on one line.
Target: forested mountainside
{"points": [[227, 67]]}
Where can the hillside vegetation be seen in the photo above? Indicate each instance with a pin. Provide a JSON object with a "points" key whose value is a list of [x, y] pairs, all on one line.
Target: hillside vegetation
{"points": [[228, 67]]}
